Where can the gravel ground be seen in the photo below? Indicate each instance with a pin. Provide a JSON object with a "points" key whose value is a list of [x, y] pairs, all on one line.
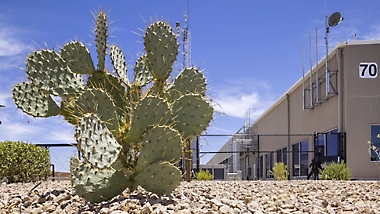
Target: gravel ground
{"points": [[296, 196]]}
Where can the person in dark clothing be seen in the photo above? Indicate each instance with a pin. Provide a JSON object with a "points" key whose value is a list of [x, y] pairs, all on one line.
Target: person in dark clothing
{"points": [[315, 166]]}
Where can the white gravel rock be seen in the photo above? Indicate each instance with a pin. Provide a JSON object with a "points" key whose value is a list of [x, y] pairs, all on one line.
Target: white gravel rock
{"points": [[296, 196]]}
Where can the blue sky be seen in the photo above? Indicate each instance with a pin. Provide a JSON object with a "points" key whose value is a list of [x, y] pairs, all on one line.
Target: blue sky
{"points": [[250, 51]]}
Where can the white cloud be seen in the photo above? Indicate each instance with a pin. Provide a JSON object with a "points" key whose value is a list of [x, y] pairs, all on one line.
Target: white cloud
{"points": [[17, 126], [10, 45], [374, 32], [239, 97], [4, 99]]}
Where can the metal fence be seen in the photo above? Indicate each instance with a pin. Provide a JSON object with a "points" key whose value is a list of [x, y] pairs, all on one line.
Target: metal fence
{"points": [[241, 152], [254, 155]]}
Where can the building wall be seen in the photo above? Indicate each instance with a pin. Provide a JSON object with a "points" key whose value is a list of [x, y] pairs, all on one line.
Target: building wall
{"points": [[362, 106], [352, 106], [358, 103]]}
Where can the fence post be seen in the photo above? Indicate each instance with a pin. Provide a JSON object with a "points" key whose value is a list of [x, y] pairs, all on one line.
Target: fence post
{"points": [[197, 158], [258, 157], [53, 172], [188, 160]]}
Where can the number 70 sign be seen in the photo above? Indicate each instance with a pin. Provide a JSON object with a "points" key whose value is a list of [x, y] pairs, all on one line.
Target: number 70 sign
{"points": [[368, 70]]}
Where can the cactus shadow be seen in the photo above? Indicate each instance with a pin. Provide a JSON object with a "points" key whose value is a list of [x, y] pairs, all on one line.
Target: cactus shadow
{"points": [[153, 199], [138, 197]]}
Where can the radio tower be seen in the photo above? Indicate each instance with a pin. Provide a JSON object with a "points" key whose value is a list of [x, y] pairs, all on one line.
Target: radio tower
{"points": [[185, 33], [186, 38]]}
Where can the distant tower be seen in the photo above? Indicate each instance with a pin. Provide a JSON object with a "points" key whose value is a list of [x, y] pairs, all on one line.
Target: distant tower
{"points": [[188, 159], [186, 38]]}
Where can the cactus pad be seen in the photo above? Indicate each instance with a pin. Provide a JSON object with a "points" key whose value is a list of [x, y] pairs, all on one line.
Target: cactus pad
{"points": [[149, 111], [143, 75], [189, 80], [45, 66], [161, 178], [96, 185], [34, 101], [112, 86], [96, 142], [78, 58], [193, 115], [160, 143], [162, 49], [98, 102], [101, 39], [119, 63]]}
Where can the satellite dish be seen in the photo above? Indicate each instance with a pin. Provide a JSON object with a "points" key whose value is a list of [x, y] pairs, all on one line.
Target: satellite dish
{"points": [[335, 19]]}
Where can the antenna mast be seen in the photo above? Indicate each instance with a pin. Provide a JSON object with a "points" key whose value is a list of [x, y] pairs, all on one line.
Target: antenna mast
{"points": [[186, 38], [186, 43], [331, 21]]}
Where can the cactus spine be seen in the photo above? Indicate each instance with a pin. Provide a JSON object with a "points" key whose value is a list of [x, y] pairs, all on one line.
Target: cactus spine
{"points": [[129, 133]]}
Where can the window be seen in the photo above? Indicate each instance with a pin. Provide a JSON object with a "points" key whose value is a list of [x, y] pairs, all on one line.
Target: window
{"points": [[321, 143], [268, 164], [260, 166], [296, 160], [375, 141], [332, 143], [282, 155], [304, 157], [300, 158], [329, 143]]}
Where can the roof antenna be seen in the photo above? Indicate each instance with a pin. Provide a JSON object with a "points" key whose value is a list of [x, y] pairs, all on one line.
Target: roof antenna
{"points": [[332, 21]]}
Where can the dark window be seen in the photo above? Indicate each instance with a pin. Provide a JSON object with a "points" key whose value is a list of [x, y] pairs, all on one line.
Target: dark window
{"points": [[332, 143], [282, 155], [285, 155], [304, 157], [296, 160], [279, 155], [260, 168], [375, 142], [300, 158], [268, 164], [321, 143], [219, 174]]}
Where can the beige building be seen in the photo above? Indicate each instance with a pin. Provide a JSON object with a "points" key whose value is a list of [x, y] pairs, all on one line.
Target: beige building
{"points": [[338, 118]]}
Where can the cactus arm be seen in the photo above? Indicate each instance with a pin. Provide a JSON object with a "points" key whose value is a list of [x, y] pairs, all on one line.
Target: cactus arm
{"points": [[78, 58], [160, 143], [160, 177], [162, 49], [119, 64], [193, 115], [96, 142], [45, 66], [34, 101], [101, 39]]}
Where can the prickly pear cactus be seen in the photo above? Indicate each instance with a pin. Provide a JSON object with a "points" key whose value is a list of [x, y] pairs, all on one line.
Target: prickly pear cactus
{"points": [[129, 133]]}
